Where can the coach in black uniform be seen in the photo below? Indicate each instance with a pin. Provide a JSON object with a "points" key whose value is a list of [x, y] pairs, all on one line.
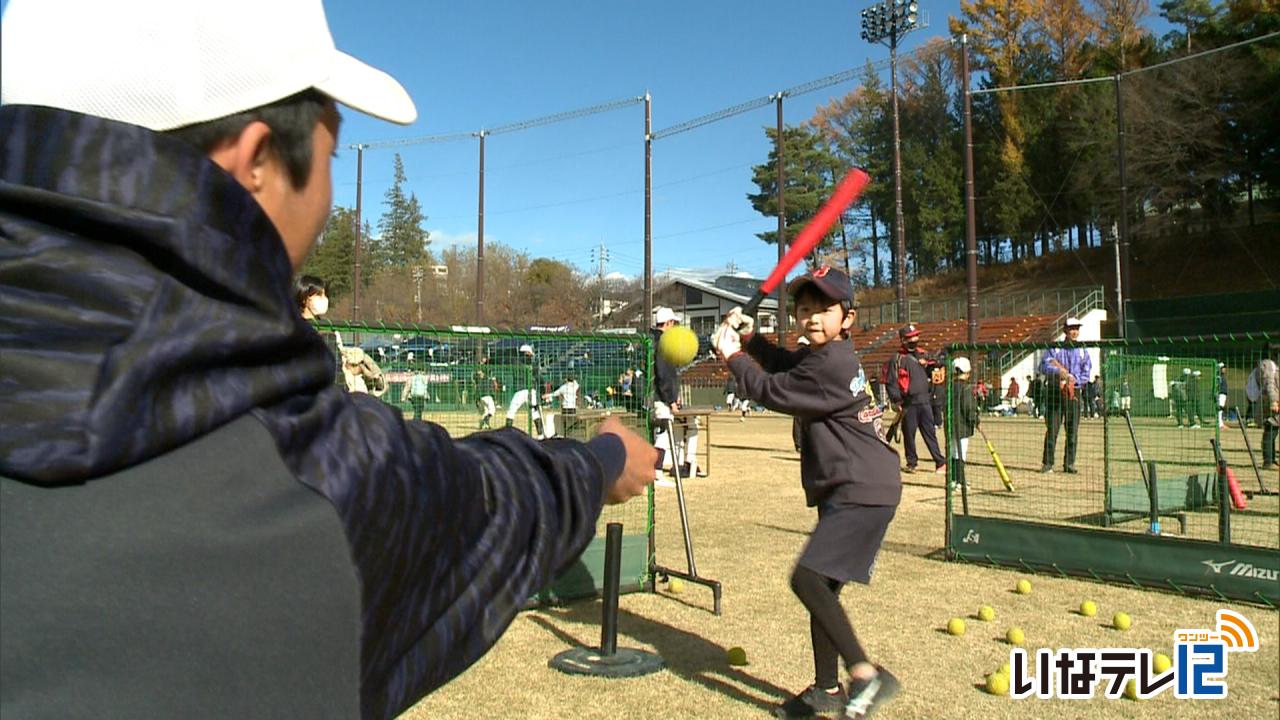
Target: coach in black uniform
{"points": [[907, 378]]}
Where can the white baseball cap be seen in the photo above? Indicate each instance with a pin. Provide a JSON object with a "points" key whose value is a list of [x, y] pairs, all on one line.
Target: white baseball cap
{"points": [[165, 64], [961, 364], [663, 315], [1072, 322]]}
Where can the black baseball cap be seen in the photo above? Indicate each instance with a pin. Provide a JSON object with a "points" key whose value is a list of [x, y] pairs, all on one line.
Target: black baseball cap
{"points": [[908, 331], [829, 281]]}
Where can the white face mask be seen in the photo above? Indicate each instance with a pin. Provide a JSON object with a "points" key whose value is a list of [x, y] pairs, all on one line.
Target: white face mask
{"points": [[319, 305]]}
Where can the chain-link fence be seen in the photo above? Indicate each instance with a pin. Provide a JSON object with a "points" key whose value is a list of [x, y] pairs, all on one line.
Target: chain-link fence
{"points": [[546, 384], [1171, 440]]}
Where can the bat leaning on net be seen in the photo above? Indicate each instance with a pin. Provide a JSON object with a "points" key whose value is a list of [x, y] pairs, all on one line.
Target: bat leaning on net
{"points": [[995, 456]]}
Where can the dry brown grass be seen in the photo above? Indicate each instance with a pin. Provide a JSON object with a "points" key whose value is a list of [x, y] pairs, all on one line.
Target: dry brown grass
{"points": [[749, 522]]}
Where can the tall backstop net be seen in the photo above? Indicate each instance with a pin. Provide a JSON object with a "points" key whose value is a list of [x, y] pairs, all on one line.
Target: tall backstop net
{"points": [[1166, 480], [546, 384]]}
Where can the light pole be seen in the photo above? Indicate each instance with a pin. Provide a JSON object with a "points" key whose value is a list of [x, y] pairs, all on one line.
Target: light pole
{"points": [[887, 21]]}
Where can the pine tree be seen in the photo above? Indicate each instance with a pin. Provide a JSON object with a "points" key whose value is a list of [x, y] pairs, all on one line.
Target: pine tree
{"points": [[333, 259], [402, 241], [809, 170], [857, 129]]}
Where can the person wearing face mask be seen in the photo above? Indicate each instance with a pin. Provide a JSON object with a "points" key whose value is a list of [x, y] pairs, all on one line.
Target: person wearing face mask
{"points": [[312, 296], [907, 375]]}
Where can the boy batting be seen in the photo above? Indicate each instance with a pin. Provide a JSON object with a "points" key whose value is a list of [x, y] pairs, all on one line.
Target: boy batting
{"points": [[848, 470]]}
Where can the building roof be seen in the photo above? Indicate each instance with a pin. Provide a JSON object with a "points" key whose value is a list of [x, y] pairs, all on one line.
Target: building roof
{"points": [[718, 289]]}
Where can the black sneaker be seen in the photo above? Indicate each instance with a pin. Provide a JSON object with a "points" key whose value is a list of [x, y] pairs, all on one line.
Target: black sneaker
{"points": [[811, 702], [1071, 470], [1046, 469], [867, 695], [909, 469]]}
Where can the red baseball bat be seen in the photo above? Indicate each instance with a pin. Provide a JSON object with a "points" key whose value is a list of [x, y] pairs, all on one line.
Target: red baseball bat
{"points": [[848, 190]]}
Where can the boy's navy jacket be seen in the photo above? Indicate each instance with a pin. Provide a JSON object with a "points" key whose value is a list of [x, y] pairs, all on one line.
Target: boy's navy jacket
{"points": [[666, 379], [194, 520], [844, 456], [965, 407]]}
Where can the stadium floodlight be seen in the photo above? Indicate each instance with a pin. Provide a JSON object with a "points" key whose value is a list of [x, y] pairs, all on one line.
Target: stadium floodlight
{"points": [[887, 21]]}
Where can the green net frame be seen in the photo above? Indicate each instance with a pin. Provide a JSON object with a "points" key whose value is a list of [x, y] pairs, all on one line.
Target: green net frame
{"points": [[471, 379], [1150, 503]]}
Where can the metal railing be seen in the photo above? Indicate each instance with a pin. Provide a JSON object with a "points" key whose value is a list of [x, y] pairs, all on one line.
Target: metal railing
{"points": [[1061, 301]]}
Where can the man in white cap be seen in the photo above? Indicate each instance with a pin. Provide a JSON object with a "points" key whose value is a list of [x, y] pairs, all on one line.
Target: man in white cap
{"points": [[196, 522], [1066, 369], [666, 401], [529, 382]]}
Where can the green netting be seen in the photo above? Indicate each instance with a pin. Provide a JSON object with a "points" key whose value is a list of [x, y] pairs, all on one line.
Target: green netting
{"points": [[546, 384], [1146, 457]]}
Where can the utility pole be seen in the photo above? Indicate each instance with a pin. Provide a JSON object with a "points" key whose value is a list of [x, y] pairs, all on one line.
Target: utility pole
{"points": [[355, 288], [971, 222], [480, 240], [647, 320], [1122, 281], [782, 225]]}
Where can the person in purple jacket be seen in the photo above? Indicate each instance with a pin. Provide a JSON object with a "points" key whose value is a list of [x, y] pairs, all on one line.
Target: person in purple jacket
{"points": [[195, 521], [1066, 370], [847, 468]]}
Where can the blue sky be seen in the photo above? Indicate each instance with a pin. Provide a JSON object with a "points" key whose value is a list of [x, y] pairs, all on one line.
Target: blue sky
{"points": [[559, 191]]}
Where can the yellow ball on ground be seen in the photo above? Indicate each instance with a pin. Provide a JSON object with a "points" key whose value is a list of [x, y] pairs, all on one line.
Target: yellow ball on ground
{"points": [[678, 345], [1005, 669], [676, 586], [956, 626], [1088, 608], [1121, 621], [737, 656], [1131, 690], [986, 613], [1161, 663], [1024, 587], [1015, 636], [998, 684]]}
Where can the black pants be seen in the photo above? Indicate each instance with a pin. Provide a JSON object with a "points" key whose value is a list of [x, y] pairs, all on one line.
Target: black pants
{"points": [[1269, 433], [829, 627], [419, 405], [1061, 412], [919, 416]]}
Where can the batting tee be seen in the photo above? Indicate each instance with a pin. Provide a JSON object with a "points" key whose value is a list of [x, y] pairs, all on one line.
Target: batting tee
{"points": [[1168, 488], [468, 379]]}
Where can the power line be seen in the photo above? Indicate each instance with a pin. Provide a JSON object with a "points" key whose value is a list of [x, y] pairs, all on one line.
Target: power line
{"points": [[704, 229], [801, 89], [566, 115], [510, 127], [1127, 73]]}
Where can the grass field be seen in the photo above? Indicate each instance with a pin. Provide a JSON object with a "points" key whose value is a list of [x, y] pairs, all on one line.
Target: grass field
{"points": [[749, 523]]}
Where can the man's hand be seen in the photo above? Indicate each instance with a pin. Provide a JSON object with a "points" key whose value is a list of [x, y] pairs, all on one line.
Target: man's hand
{"points": [[642, 458], [744, 325], [726, 341]]}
